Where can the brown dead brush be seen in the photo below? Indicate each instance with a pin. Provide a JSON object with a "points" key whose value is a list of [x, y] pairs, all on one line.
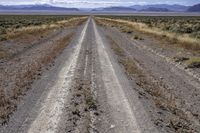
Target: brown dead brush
{"points": [[16, 80], [25, 74]]}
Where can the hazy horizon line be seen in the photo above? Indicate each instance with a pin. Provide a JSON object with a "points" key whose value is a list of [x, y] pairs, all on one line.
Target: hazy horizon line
{"points": [[91, 7]]}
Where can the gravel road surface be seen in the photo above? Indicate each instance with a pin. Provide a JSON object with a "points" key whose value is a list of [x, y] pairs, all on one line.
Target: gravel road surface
{"points": [[88, 89]]}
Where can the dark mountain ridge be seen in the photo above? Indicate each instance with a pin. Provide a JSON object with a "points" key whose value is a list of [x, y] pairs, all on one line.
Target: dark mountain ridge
{"points": [[153, 9], [150, 8], [195, 8], [115, 9], [36, 7], [164, 6]]}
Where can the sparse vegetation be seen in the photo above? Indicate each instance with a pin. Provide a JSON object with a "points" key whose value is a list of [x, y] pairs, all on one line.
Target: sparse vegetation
{"points": [[178, 44], [90, 101], [14, 25], [16, 78], [150, 87], [27, 37], [25, 72], [188, 25], [182, 31]]}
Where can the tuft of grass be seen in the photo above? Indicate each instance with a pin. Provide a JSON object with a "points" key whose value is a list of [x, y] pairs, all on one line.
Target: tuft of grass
{"points": [[3, 38], [180, 59], [76, 112], [126, 29], [90, 101], [193, 62], [137, 37]]}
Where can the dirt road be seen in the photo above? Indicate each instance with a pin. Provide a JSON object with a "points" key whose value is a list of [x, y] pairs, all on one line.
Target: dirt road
{"points": [[89, 90]]}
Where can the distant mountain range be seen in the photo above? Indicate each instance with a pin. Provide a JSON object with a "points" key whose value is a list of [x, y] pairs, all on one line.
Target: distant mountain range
{"points": [[177, 8], [146, 8], [195, 8], [154, 9], [36, 7], [115, 9]]}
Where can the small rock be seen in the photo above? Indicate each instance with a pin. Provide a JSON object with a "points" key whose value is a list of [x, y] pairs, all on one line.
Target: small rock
{"points": [[112, 126], [96, 113], [78, 95], [159, 112]]}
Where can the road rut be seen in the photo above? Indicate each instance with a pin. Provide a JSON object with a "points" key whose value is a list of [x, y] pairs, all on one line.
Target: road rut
{"points": [[86, 91]]}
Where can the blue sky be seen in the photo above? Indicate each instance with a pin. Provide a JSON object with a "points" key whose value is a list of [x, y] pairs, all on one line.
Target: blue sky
{"points": [[97, 3]]}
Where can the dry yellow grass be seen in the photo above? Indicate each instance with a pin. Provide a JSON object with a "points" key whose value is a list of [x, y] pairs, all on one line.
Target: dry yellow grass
{"points": [[13, 33], [183, 39], [193, 62]]}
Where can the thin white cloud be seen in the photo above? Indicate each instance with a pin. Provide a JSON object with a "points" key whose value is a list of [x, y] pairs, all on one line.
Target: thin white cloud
{"points": [[91, 3], [22, 2]]}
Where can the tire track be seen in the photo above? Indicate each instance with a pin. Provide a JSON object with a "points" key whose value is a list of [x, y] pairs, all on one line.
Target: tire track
{"points": [[50, 113], [90, 95], [178, 89], [81, 109], [122, 111]]}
